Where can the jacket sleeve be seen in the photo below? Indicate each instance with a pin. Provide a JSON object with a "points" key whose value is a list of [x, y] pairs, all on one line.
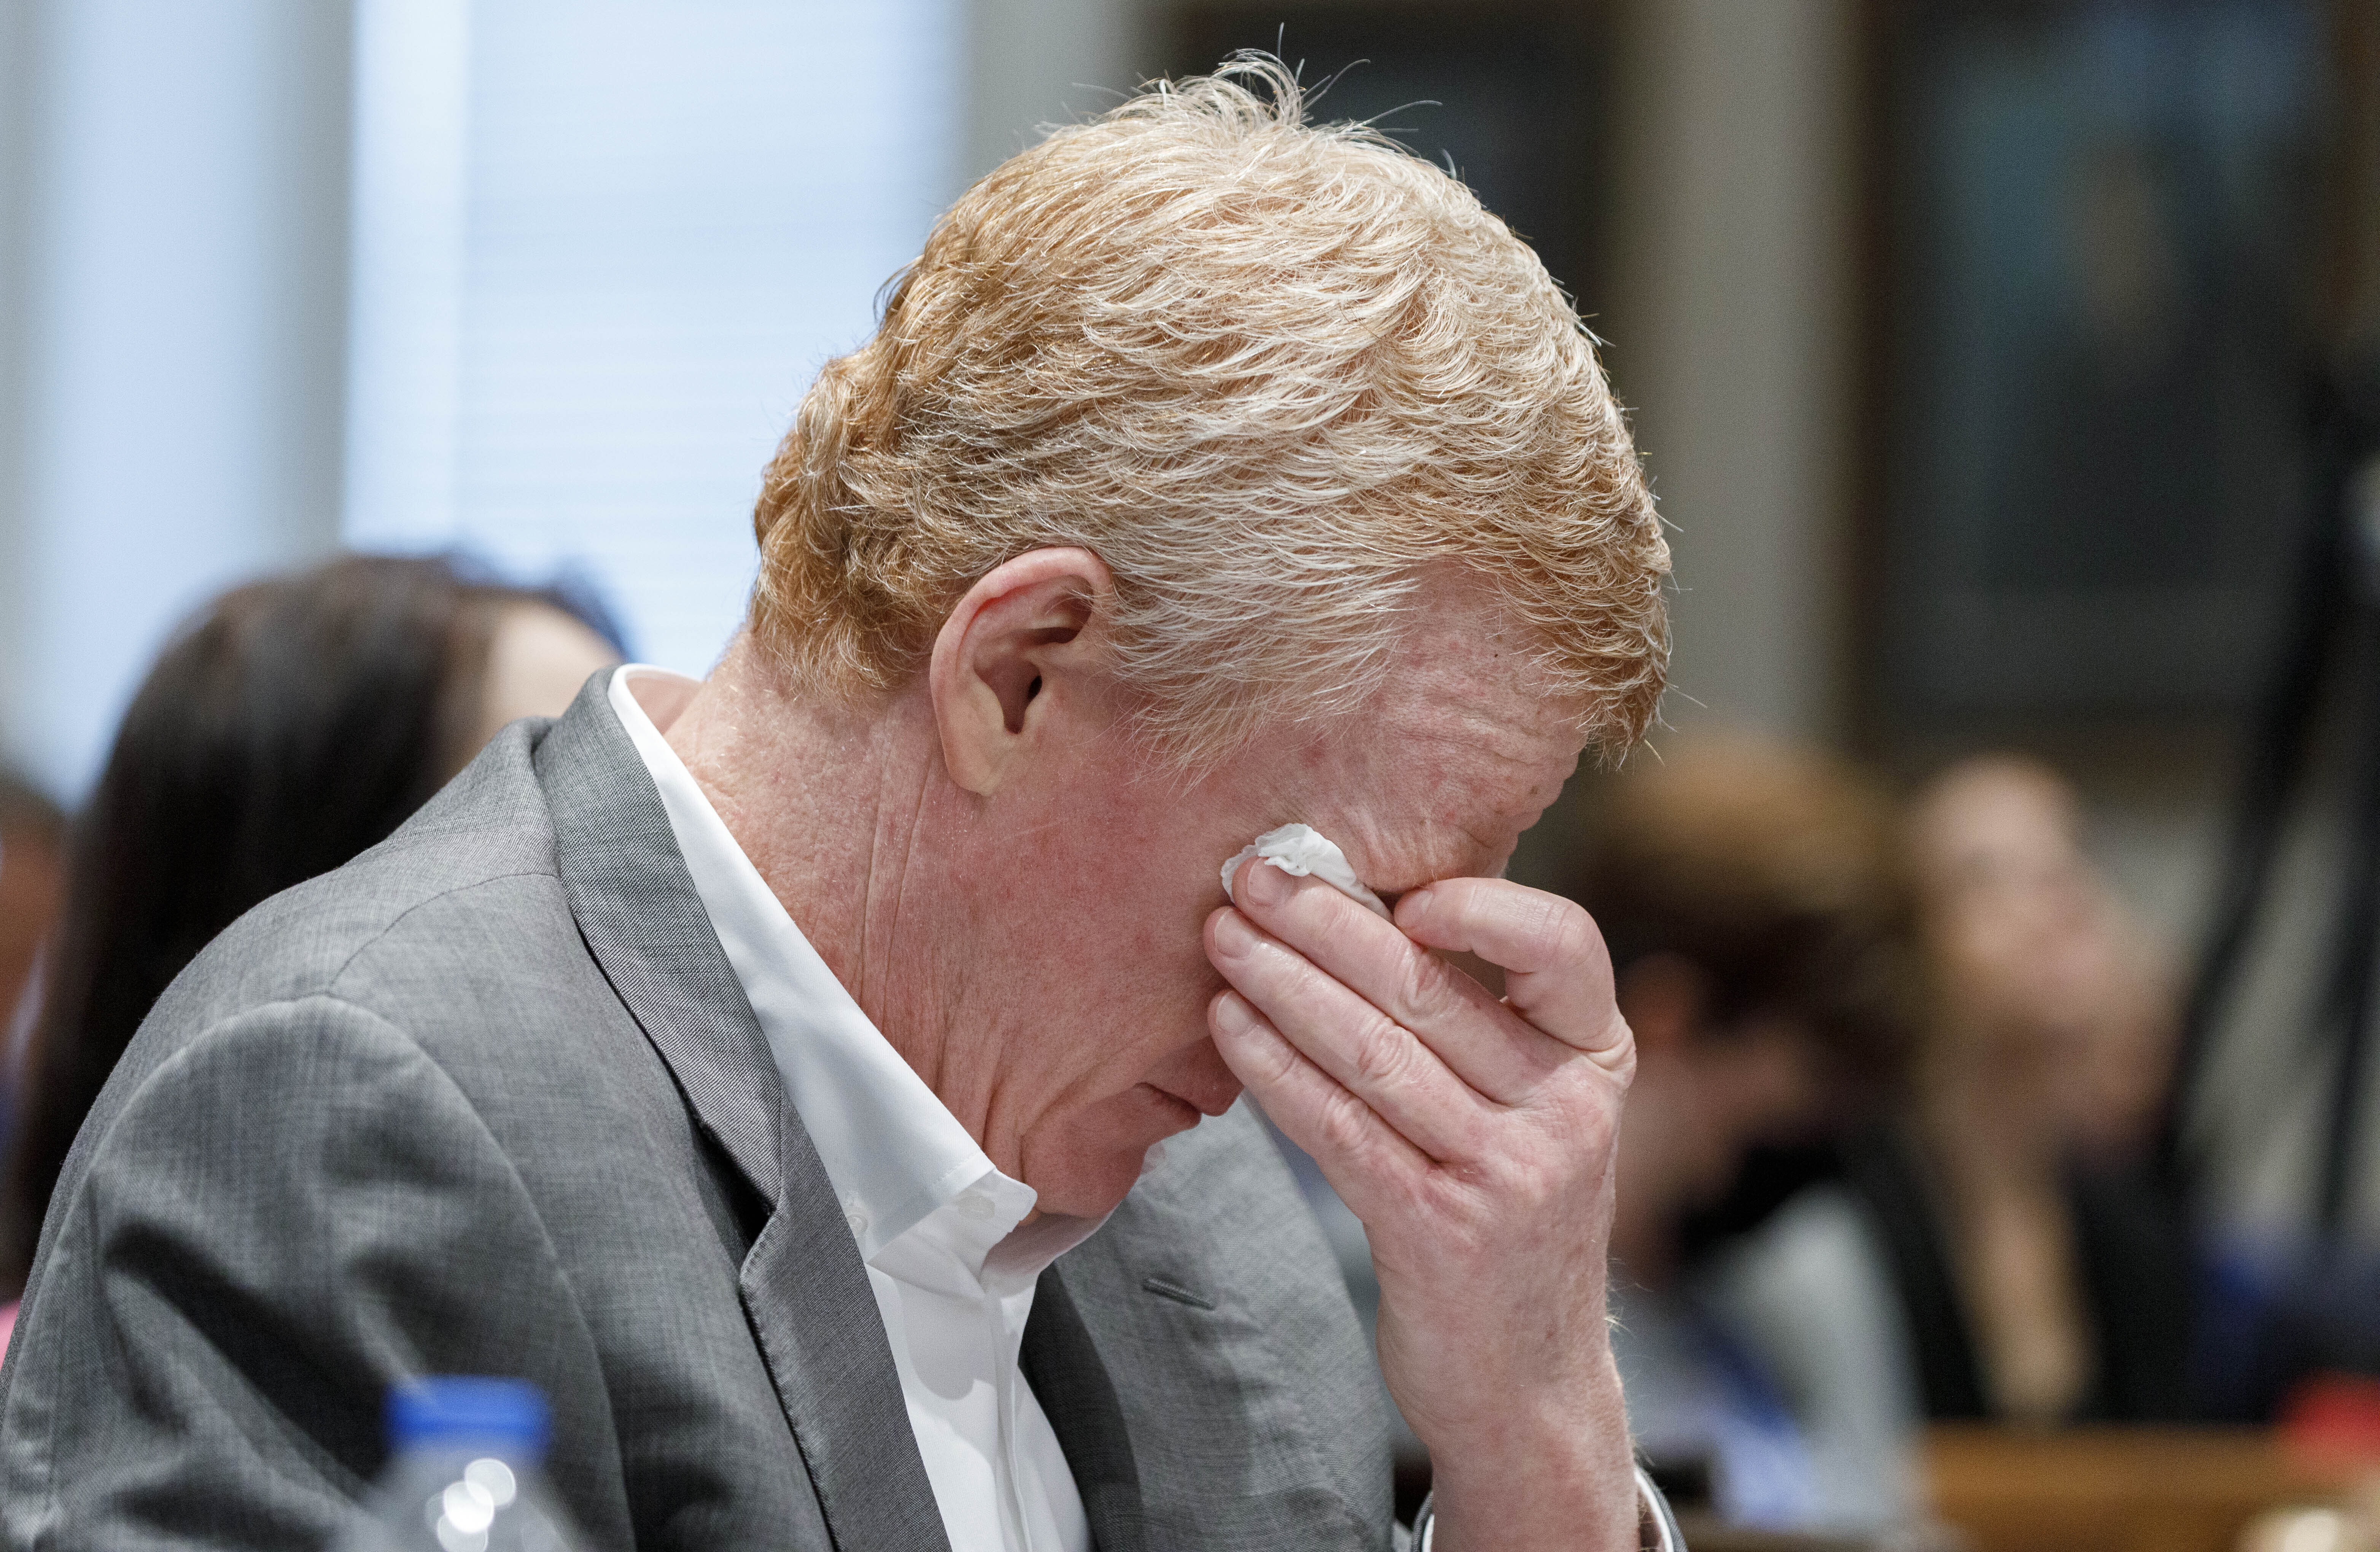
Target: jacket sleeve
{"points": [[294, 1209]]}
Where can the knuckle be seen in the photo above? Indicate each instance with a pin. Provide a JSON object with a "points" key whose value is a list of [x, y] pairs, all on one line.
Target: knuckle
{"points": [[1340, 1119], [1589, 1124], [1321, 919], [1282, 977], [1569, 933], [1511, 1177], [1381, 1050], [1473, 1138], [1276, 1060], [1423, 989]]}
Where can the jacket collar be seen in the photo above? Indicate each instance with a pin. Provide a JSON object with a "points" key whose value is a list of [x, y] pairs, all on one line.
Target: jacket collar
{"points": [[803, 1285]]}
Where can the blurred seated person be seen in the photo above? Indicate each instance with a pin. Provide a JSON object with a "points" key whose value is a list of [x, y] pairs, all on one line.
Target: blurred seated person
{"points": [[2038, 1274], [32, 885], [2043, 1276], [1757, 917], [293, 724]]}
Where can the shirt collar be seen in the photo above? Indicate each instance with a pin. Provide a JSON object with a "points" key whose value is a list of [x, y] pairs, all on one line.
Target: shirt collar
{"points": [[893, 1151]]}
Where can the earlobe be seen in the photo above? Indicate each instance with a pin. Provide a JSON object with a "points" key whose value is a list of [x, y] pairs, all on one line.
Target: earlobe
{"points": [[997, 653]]}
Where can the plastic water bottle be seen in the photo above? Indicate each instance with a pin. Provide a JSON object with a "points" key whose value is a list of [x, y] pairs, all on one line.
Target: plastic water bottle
{"points": [[465, 1475]]}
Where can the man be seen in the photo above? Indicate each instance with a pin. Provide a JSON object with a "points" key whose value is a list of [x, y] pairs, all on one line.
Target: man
{"points": [[772, 1069]]}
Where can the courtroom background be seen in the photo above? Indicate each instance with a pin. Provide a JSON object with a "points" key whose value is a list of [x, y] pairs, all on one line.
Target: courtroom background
{"points": [[1977, 349]]}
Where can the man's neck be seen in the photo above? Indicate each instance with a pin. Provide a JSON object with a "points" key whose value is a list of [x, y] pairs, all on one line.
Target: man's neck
{"points": [[825, 799]]}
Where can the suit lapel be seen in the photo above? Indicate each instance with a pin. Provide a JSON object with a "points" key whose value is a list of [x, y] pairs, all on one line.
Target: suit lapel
{"points": [[804, 1288], [1062, 1363], [807, 1293], [636, 906]]}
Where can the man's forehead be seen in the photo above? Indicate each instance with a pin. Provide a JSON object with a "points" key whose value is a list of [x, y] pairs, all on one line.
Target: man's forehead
{"points": [[1440, 775], [1468, 698], [1455, 752]]}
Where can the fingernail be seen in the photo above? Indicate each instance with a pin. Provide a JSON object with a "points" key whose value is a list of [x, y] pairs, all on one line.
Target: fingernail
{"points": [[1232, 934], [1232, 1016], [1264, 883]]}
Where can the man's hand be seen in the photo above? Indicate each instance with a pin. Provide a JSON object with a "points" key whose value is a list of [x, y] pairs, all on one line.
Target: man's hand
{"points": [[1473, 1138]]}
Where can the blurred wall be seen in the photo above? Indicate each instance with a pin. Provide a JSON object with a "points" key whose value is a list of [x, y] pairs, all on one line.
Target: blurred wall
{"points": [[597, 253], [1730, 330], [16, 133], [600, 249], [1734, 335], [1036, 62], [173, 177]]}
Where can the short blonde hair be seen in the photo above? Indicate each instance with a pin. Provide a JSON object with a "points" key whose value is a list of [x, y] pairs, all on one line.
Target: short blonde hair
{"points": [[1270, 373]]}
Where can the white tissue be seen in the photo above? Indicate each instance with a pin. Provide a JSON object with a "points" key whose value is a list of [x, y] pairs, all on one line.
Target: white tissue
{"points": [[1302, 850]]}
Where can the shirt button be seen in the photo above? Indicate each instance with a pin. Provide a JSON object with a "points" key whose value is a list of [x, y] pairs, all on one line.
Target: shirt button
{"points": [[975, 1204], [853, 1215]]}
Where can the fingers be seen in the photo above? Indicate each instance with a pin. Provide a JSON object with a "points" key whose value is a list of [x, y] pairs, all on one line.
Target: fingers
{"points": [[1557, 968], [1359, 1153], [1358, 1045], [1488, 1045]]}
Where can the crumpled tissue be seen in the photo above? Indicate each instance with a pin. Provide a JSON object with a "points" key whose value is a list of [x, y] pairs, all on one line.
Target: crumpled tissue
{"points": [[1302, 850]]}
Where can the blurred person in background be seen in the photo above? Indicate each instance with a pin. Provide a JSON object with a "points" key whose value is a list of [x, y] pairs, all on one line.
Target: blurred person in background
{"points": [[1759, 925], [33, 886], [293, 724], [2045, 1278], [2035, 1273]]}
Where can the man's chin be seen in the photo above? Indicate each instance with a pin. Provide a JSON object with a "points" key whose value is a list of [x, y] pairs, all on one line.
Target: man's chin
{"points": [[1093, 1170]]}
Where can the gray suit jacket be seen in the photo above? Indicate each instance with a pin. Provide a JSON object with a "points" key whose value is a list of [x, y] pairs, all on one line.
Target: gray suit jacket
{"points": [[490, 1100]]}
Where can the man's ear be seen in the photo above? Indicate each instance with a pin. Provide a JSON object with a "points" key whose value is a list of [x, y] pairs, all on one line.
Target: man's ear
{"points": [[1010, 648], [1664, 996]]}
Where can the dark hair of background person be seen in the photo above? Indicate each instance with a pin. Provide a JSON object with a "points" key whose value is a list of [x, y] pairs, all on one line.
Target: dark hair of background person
{"points": [[1777, 873], [24, 811], [32, 844], [292, 724]]}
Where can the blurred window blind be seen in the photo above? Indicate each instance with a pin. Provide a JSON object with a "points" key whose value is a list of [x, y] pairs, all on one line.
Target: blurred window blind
{"points": [[598, 251]]}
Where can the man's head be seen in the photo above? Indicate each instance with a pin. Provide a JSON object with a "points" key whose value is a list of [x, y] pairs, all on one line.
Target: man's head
{"points": [[2044, 982], [1209, 471], [1270, 373]]}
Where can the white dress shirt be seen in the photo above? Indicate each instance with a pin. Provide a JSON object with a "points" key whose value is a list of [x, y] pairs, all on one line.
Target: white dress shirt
{"points": [[935, 1223]]}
